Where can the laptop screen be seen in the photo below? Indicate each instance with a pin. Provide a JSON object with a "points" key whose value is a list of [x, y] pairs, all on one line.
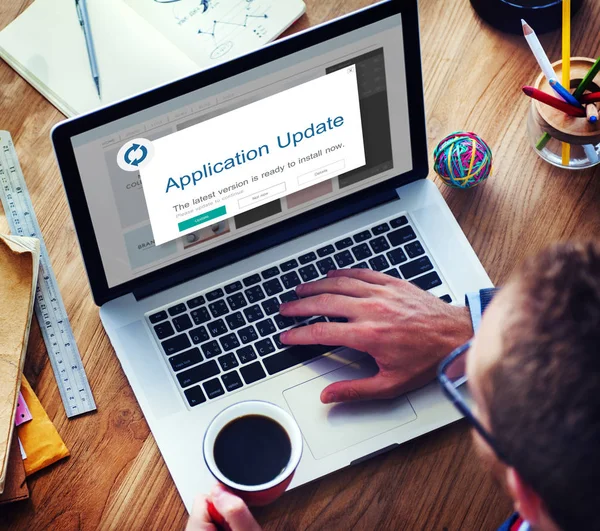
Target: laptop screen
{"points": [[211, 166]]}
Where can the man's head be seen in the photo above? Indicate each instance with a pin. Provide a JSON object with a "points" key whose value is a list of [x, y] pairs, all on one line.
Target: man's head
{"points": [[534, 372]]}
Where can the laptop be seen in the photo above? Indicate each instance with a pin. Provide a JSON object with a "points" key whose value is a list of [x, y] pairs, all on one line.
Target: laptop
{"points": [[200, 206]]}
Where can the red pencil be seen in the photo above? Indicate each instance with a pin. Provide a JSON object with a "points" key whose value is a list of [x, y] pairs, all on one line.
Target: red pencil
{"points": [[590, 98], [546, 98]]}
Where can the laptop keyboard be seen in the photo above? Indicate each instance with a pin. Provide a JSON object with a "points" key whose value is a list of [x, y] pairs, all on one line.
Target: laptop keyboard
{"points": [[226, 338]]}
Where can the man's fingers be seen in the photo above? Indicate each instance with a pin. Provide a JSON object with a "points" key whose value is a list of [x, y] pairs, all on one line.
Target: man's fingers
{"points": [[324, 304], [366, 275], [341, 285], [377, 386], [331, 334], [199, 518], [234, 510]]}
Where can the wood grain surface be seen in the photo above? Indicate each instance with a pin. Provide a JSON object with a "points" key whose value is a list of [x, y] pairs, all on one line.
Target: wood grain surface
{"points": [[116, 478]]}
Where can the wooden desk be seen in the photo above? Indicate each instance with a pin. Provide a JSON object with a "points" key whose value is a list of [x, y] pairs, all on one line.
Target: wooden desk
{"points": [[116, 477]]}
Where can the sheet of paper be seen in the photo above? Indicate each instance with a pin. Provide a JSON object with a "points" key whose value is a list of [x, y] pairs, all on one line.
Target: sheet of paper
{"points": [[213, 31], [46, 46], [23, 414]]}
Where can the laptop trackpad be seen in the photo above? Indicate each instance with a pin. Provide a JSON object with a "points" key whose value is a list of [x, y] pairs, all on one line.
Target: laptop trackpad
{"points": [[329, 428]]}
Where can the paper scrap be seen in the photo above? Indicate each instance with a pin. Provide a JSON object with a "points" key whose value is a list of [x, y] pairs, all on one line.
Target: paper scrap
{"points": [[23, 413], [23, 454]]}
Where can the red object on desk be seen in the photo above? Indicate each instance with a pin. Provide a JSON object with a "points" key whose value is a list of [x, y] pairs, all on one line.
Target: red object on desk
{"points": [[217, 518], [592, 97], [546, 98]]}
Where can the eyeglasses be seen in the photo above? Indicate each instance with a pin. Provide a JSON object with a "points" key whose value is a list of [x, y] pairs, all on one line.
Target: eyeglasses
{"points": [[453, 379]]}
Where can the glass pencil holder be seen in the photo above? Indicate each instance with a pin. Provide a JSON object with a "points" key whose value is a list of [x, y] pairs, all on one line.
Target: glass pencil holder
{"points": [[549, 129]]}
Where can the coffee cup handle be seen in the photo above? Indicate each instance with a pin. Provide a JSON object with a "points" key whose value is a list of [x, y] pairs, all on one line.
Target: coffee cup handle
{"points": [[217, 518]]}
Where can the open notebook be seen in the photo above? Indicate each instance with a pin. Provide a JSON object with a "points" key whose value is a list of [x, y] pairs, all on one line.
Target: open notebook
{"points": [[139, 44]]}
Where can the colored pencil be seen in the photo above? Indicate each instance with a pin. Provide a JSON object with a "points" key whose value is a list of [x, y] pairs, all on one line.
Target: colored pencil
{"points": [[591, 112], [564, 93], [589, 77], [592, 97], [538, 51], [591, 153], [566, 66], [548, 99]]}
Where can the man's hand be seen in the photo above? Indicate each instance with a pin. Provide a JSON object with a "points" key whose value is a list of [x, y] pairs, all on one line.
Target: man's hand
{"points": [[230, 507], [408, 331]]}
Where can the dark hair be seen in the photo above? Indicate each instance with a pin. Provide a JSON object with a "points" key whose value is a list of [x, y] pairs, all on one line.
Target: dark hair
{"points": [[544, 403]]}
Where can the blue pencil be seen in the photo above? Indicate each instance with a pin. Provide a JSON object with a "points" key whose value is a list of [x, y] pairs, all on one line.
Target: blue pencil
{"points": [[564, 93]]}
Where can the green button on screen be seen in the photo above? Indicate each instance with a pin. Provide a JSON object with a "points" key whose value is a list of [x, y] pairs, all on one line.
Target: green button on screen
{"points": [[202, 218]]}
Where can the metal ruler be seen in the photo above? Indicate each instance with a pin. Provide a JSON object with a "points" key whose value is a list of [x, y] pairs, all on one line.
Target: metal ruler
{"points": [[49, 307]]}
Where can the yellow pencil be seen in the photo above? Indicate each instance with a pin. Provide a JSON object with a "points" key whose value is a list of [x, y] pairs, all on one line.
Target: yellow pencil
{"points": [[566, 65]]}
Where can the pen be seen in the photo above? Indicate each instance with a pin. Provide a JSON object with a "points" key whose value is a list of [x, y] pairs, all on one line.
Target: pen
{"points": [[564, 93], [84, 20], [554, 102]]}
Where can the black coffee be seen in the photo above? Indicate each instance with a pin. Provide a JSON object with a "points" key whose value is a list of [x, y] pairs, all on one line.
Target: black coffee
{"points": [[252, 450]]}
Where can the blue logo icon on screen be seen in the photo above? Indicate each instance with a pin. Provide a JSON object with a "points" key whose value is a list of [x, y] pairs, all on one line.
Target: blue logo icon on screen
{"points": [[135, 154]]}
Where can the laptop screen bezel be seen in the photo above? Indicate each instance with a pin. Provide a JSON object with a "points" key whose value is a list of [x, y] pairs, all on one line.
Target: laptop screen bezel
{"points": [[278, 233]]}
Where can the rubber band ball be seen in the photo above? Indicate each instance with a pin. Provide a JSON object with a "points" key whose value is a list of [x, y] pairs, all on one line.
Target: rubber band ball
{"points": [[463, 160]]}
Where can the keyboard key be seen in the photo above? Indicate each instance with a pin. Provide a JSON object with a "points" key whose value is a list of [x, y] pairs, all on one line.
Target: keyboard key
{"points": [[414, 249], [251, 280], [198, 373], [176, 344], [246, 354], [159, 316], [344, 259], [213, 388], [218, 308], [217, 328], [344, 244], [397, 256], [214, 295], [194, 396], [398, 222], [271, 306], [380, 229], [446, 298], [273, 287], [265, 347], [324, 251], [289, 265], [235, 320], [253, 372], [255, 294], [232, 381], [200, 316], [428, 281], [199, 335], [236, 301], [379, 263], [270, 273], [416, 267], [361, 265], [211, 349], [266, 327], [290, 280], [247, 335], [379, 245], [228, 361], [308, 273], [195, 302], [229, 342], [176, 310], [400, 236], [283, 322], [317, 320], [393, 273], [294, 356], [254, 313], [183, 322], [362, 236], [337, 320], [163, 330], [326, 265], [289, 296], [185, 359], [233, 287], [306, 258], [362, 251], [276, 339]]}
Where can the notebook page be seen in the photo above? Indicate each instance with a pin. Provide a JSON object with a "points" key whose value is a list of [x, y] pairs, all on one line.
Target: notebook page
{"points": [[46, 46]]}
